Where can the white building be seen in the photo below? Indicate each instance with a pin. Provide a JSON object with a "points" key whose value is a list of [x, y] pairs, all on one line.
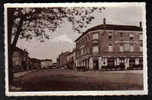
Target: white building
{"points": [[46, 63]]}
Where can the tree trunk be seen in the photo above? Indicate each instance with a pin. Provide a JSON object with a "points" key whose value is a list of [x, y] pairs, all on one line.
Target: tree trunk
{"points": [[19, 29], [12, 45], [10, 62]]}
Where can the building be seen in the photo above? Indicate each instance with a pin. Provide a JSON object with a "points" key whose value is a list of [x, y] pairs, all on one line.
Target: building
{"points": [[109, 45], [46, 63], [62, 59], [57, 62], [54, 65], [35, 63], [20, 60], [71, 57]]}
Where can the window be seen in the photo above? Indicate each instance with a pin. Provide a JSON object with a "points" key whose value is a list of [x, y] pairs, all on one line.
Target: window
{"points": [[81, 51], [95, 36], [95, 49], [88, 37], [131, 36], [121, 48], [111, 62], [131, 48], [127, 47], [110, 36], [110, 48], [121, 34], [140, 36], [86, 51], [141, 61], [141, 47]]}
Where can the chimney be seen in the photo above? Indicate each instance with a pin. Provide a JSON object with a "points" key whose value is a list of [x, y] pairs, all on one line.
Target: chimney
{"points": [[104, 20], [140, 24]]}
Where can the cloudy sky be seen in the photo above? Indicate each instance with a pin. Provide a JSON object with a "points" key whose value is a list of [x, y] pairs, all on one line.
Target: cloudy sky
{"points": [[63, 38]]}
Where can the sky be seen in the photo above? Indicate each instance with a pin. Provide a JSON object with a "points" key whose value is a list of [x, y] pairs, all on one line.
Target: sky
{"points": [[63, 39]]}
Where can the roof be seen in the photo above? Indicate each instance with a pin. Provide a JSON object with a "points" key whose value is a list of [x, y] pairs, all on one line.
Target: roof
{"points": [[35, 60], [20, 50], [46, 60], [65, 53], [112, 27]]}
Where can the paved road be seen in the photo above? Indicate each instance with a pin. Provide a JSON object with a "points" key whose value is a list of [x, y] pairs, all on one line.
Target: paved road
{"points": [[61, 79]]}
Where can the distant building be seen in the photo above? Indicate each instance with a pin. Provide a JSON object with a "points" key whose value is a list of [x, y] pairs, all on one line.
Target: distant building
{"points": [[108, 45], [63, 59], [46, 63], [71, 57], [54, 65], [57, 62], [35, 63], [20, 60]]}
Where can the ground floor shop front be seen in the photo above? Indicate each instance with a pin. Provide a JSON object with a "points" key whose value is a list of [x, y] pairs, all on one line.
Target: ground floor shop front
{"points": [[99, 63]]}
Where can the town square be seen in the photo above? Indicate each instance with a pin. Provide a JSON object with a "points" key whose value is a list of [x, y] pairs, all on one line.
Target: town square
{"points": [[75, 48]]}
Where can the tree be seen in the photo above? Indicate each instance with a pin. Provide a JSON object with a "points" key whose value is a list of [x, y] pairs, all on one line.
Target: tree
{"points": [[36, 22]]}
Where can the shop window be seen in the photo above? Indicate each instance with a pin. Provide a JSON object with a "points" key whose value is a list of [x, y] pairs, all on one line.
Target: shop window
{"points": [[131, 62], [141, 61], [110, 62]]}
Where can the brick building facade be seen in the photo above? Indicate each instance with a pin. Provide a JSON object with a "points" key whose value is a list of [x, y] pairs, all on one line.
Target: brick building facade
{"points": [[20, 60], [62, 59], [108, 45], [71, 58]]}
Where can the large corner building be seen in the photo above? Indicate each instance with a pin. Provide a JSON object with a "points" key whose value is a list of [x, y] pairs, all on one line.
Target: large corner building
{"points": [[108, 45]]}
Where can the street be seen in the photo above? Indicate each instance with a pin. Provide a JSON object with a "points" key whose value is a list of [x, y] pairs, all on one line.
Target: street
{"points": [[65, 80]]}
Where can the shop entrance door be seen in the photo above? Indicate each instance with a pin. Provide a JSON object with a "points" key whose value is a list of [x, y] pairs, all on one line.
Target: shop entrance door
{"points": [[95, 65]]}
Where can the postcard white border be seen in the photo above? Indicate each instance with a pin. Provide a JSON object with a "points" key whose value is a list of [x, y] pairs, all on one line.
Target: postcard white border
{"points": [[76, 93]]}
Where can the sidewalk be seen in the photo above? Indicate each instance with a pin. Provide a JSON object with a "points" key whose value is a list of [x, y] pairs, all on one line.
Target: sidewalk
{"points": [[19, 74]]}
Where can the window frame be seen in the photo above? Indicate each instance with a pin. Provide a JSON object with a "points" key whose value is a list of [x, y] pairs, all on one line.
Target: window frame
{"points": [[96, 49], [94, 37]]}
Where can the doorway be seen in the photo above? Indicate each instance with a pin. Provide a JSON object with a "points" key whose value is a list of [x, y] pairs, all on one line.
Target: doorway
{"points": [[95, 65]]}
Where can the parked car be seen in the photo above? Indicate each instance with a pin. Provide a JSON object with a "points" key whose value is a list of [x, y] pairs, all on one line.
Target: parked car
{"points": [[114, 68], [135, 67], [81, 68]]}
